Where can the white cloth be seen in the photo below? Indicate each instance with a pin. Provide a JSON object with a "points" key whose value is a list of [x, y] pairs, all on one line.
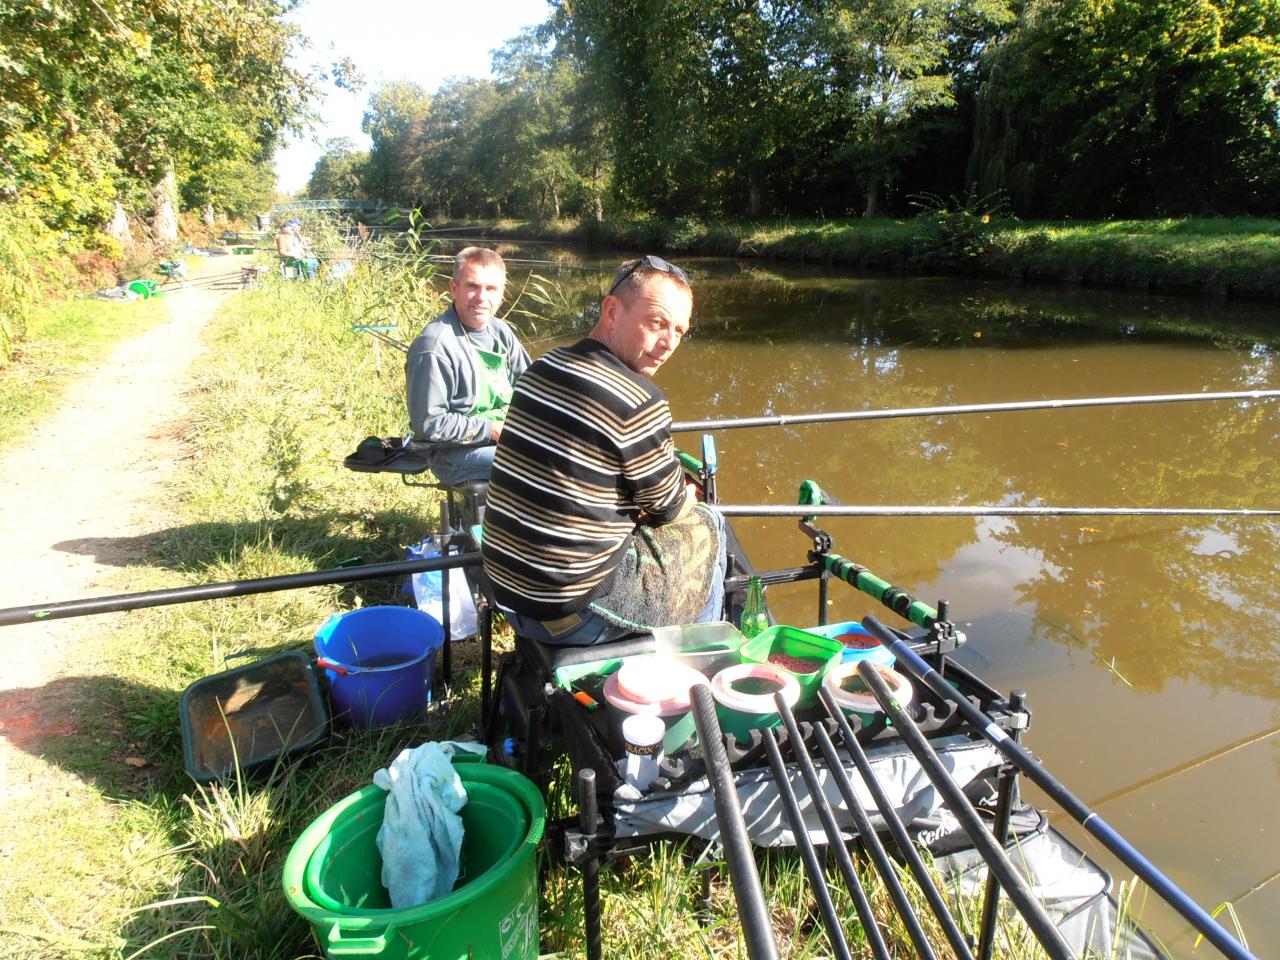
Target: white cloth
{"points": [[421, 835]]}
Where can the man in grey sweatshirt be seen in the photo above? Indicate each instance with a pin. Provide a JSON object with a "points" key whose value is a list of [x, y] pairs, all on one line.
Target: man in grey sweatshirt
{"points": [[461, 370]]}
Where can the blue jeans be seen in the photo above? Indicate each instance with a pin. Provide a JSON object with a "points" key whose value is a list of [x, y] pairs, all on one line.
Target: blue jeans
{"points": [[454, 465], [592, 629]]}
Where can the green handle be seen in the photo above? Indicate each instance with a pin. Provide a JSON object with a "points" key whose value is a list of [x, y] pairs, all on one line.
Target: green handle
{"points": [[689, 461], [358, 946]]}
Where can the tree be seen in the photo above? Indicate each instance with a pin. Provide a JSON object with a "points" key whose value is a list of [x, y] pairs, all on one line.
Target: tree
{"points": [[394, 110], [1104, 107], [339, 172], [140, 87], [887, 64]]}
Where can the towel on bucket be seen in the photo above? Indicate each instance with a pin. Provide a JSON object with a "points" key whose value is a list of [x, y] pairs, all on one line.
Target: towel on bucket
{"points": [[421, 835]]}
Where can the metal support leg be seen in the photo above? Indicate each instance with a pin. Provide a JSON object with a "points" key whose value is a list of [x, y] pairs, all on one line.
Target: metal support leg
{"points": [[446, 661], [704, 901], [591, 864], [486, 663], [1006, 799]]}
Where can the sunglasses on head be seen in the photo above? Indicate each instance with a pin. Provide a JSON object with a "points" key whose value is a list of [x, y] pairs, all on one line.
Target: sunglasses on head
{"points": [[655, 263]]}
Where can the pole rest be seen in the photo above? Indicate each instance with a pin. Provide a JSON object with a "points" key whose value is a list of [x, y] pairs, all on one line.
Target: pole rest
{"points": [[813, 495], [577, 847], [709, 467], [1019, 714]]}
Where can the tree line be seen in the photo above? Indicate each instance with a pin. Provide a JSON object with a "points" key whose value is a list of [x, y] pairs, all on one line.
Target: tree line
{"points": [[745, 108]]}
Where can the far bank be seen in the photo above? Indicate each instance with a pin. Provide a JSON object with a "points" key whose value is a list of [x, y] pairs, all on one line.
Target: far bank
{"points": [[1229, 258]]}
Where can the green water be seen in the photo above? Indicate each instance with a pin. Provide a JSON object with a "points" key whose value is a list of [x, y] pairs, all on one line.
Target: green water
{"points": [[1145, 644]]}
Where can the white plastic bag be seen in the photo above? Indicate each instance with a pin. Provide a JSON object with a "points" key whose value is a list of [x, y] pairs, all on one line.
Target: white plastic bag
{"points": [[428, 587]]}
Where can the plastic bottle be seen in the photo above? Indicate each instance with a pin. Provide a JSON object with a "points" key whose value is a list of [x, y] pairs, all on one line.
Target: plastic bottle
{"points": [[755, 618]]}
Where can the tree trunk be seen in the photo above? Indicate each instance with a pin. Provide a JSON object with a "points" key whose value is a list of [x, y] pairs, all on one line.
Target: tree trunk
{"points": [[755, 199], [207, 215], [118, 229], [555, 202], [596, 199], [164, 221], [873, 199]]}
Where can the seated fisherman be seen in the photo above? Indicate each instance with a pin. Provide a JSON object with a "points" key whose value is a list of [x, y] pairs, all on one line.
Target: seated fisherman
{"points": [[294, 248], [591, 533], [461, 370]]}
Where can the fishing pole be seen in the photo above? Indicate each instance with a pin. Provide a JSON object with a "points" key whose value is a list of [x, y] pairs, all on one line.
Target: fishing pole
{"points": [[37, 613], [842, 510], [836, 417], [1030, 767]]}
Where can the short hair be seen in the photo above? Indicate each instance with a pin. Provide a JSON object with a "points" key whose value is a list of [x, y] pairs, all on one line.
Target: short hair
{"points": [[632, 275], [481, 255]]}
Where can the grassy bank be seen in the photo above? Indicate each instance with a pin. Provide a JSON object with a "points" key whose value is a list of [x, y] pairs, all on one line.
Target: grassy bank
{"points": [[1223, 257], [136, 859]]}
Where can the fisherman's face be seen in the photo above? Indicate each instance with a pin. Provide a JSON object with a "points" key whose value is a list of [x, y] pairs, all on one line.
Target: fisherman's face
{"points": [[477, 293], [646, 331]]}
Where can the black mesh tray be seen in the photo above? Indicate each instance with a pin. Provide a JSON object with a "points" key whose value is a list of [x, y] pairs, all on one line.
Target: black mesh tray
{"points": [[251, 715]]}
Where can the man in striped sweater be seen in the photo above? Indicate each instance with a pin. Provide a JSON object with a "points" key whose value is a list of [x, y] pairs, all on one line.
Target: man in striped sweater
{"points": [[591, 533]]}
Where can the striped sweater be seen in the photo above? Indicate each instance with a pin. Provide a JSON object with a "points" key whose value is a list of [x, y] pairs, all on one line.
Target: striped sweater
{"points": [[585, 449]]}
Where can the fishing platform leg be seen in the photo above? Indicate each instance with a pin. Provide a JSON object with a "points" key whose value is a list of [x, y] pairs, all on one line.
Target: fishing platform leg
{"points": [[583, 850], [1006, 800]]}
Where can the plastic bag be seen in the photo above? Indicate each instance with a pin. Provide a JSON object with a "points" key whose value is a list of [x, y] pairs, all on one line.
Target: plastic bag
{"points": [[427, 588]]}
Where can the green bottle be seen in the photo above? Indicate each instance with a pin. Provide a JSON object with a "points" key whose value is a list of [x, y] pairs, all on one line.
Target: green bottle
{"points": [[754, 617]]}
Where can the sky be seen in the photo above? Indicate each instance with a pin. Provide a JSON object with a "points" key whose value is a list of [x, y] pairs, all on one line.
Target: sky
{"points": [[420, 40]]}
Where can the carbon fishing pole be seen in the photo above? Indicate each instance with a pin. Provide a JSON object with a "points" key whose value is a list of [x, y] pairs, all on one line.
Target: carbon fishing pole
{"points": [[38, 613], [1028, 765], [952, 409], [842, 510]]}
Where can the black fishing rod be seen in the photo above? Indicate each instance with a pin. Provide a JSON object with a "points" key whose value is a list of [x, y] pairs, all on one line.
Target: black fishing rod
{"points": [[1028, 765], [38, 613], [951, 409], [843, 510]]}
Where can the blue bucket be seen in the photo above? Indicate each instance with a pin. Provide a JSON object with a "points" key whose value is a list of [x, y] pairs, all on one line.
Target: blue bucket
{"points": [[379, 663]]}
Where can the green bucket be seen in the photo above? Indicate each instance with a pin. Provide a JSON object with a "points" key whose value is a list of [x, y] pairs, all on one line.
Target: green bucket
{"points": [[332, 877]]}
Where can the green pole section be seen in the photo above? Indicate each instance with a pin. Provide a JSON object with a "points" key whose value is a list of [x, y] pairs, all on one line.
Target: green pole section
{"points": [[689, 461], [895, 598]]}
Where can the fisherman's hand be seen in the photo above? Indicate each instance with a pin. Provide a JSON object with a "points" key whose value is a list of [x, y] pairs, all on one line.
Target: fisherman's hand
{"points": [[495, 431]]}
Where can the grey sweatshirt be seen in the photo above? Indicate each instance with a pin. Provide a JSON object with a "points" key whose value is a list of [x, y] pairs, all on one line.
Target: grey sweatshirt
{"points": [[441, 379]]}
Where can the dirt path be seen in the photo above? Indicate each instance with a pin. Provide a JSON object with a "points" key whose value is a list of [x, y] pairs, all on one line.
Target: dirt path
{"points": [[79, 500]]}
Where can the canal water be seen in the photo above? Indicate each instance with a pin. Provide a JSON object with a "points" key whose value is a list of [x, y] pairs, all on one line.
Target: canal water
{"points": [[1146, 645]]}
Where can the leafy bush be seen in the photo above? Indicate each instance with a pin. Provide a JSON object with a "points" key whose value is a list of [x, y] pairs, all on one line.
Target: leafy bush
{"points": [[23, 242], [960, 229]]}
